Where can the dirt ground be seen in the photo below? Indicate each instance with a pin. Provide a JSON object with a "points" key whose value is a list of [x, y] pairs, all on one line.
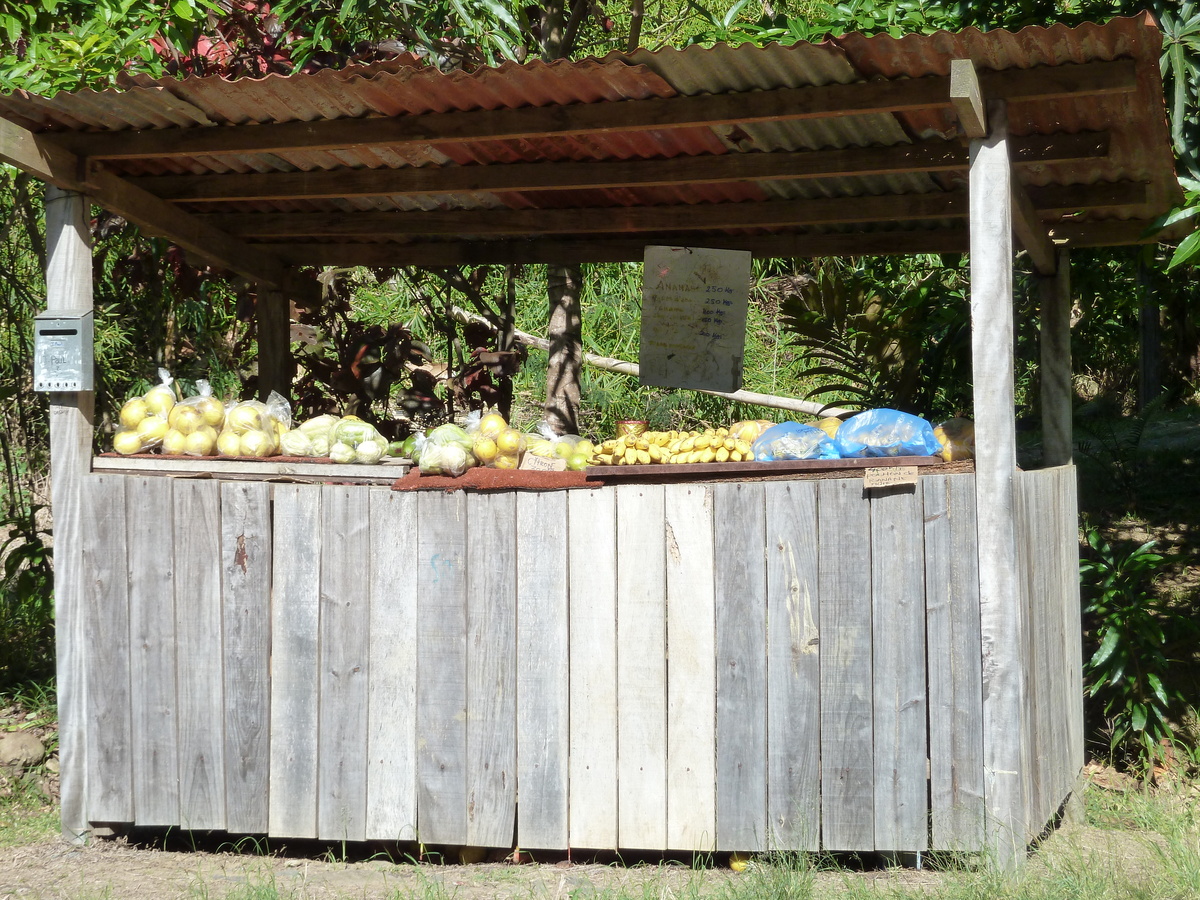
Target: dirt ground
{"points": [[49, 869]]}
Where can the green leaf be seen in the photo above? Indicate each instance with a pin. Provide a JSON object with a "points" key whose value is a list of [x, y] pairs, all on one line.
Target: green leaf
{"points": [[1188, 250], [1111, 638], [1156, 686], [1138, 718]]}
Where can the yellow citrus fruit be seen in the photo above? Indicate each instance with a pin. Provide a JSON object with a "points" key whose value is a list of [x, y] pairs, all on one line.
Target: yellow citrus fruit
{"points": [[133, 412], [159, 400], [485, 450], [244, 418], [174, 442], [127, 442], [201, 443], [212, 411], [578, 462], [739, 862], [229, 443], [152, 429], [492, 425], [185, 419], [585, 447], [504, 462], [509, 441]]}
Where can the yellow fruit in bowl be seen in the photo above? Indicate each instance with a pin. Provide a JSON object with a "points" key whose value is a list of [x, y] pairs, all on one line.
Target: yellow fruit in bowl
{"points": [[152, 429], [492, 425], [127, 443], [485, 450], [508, 442], [133, 412], [174, 442]]}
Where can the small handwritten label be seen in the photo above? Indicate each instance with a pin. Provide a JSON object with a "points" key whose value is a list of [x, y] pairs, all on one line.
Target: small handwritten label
{"points": [[532, 463], [889, 476]]}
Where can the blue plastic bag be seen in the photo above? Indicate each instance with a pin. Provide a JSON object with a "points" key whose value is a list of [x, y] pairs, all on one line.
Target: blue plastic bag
{"points": [[791, 440], [886, 432]]}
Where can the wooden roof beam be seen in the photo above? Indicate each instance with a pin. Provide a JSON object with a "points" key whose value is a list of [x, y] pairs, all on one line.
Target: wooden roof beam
{"points": [[966, 96], [663, 219], [927, 156], [827, 101], [52, 164], [454, 253], [969, 102]]}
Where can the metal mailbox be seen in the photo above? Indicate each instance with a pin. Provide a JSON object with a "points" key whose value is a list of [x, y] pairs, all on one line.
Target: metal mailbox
{"points": [[62, 351]]}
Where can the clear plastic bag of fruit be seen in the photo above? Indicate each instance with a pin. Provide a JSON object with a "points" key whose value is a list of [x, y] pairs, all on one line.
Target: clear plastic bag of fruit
{"points": [[446, 450], [494, 443], [793, 440], [886, 432], [546, 443], [144, 418], [194, 424], [253, 428]]}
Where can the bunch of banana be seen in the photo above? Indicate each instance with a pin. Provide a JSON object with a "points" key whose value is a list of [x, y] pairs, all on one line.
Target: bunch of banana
{"points": [[673, 448]]}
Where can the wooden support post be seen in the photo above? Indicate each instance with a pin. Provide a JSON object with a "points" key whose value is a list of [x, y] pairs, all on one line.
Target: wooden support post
{"points": [[276, 367], [967, 98], [69, 287], [1057, 391], [1004, 729]]}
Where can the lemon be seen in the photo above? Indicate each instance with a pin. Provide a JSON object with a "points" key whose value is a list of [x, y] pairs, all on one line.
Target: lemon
{"points": [[152, 430], [586, 447], [133, 412], [174, 442], [212, 411], [256, 444], [200, 443], [185, 419], [485, 450], [578, 462], [229, 444], [127, 442], [492, 425], [508, 442], [244, 418], [159, 400], [504, 462]]}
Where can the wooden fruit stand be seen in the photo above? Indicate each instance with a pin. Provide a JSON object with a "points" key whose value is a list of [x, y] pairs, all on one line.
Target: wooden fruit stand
{"points": [[730, 663]]}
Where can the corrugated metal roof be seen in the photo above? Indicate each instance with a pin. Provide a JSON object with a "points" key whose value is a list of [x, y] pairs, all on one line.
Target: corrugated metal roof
{"points": [[1139, 145]]}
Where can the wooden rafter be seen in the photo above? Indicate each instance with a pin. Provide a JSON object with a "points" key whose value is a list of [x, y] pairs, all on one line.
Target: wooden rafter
{"points": [[951, 239], [42, 159], [1053, 200], [966, 96], [828, 101], [927, 156]]}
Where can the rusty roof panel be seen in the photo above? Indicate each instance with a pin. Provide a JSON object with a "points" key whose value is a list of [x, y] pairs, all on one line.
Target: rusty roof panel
{"points": [[1140, 146]]}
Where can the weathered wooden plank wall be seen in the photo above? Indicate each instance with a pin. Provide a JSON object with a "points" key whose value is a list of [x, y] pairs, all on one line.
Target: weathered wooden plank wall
{"points": [[1048, 548], [954, 655], [654, 667]]}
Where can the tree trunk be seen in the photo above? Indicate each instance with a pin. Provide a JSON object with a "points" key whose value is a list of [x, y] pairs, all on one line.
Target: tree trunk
{"points": [[566, 348], [563, 285]]}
